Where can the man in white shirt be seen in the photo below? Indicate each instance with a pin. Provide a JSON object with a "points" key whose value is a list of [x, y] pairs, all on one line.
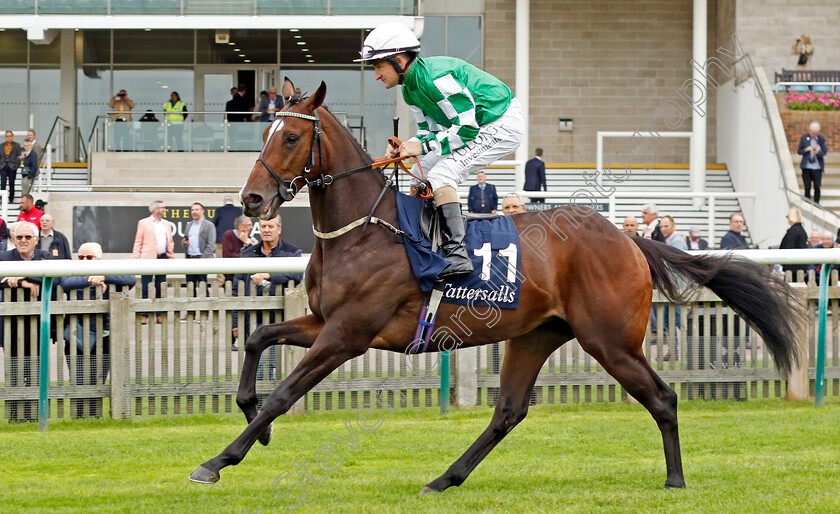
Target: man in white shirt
{"points": [[269, 105], [652, 231]]}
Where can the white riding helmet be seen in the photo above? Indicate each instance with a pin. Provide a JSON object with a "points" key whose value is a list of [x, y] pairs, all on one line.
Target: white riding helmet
{"points": [[388, 40]]}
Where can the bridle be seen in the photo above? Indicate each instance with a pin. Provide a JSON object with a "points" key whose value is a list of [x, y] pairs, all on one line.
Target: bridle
{"points": [[287, 189]]}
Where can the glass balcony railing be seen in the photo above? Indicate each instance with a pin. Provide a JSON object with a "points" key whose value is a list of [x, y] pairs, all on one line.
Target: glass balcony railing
{"points": [[200, 132], [205, 7]]}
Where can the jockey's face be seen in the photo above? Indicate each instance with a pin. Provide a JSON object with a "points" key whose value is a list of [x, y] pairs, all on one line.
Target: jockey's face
{"points": [[386, 73]]}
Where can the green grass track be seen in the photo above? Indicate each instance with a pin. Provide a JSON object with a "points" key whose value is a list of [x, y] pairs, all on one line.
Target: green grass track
{"points": [[757, 456]]}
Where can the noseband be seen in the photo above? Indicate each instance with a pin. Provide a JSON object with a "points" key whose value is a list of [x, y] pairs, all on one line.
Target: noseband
{"points": [[287, 189]]}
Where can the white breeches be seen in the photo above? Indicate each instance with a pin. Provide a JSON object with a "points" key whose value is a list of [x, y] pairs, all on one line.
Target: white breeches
{"points": [[494, 141]]}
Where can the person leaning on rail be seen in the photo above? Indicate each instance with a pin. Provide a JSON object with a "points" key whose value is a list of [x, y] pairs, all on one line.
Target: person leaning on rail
{"points": [[25, 237], [75, 288], [271, 283]]}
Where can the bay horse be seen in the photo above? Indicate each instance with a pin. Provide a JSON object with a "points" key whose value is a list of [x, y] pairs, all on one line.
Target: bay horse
{"points": [[586, 280]]}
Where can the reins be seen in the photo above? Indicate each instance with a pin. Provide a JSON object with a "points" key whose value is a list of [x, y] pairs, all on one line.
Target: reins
{"points": [[287, 189]]}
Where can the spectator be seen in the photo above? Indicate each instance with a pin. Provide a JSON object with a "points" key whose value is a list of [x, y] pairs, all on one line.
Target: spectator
{"points": [[25, 236], [483, 197], [512, 204], [652, 231], [694, 241], [815, 239], [199, 243], [89, 251], [31, 168], [827, 240], [4, 235], [29, 211], [271, 246], [237, 239], [9, 163], [52, 241], [535, 175], [121, 106], [224, 220], [234, 105], [734, 239], [669, 230], [149, 117], [630, 226], [176, 113], [794, 238], [270, 104], [812, 149], [803, 50], [247, 100], [240, 103], [39, 150], [153, 240], [672, 238]]}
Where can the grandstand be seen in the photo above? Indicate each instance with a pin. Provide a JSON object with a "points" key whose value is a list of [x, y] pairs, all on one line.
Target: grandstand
{"points": [[564, 179], [592, 71]]}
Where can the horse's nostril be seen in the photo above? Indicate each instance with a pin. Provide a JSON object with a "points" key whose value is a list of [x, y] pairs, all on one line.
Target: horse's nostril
{"points": [[253, 199]]}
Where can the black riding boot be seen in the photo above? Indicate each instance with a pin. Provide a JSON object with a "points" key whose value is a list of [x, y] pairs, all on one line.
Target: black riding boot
{"points": [[454, 229]]}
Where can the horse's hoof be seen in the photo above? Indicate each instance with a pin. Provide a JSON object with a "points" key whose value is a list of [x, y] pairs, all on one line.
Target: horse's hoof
{"points": [[204, 476], [675, 485], [427, 490], [265, 438]]}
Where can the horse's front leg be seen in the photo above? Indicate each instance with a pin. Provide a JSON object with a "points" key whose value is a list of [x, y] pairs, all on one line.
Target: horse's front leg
{"points": [[300, 331], [328, 352]]}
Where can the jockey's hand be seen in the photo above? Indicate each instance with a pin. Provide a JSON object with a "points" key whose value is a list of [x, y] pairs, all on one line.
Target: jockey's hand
{"points": [[391, 152], [411, 148]]}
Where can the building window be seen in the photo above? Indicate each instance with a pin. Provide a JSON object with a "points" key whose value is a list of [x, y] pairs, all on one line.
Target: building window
{"points": [[455, 36]]}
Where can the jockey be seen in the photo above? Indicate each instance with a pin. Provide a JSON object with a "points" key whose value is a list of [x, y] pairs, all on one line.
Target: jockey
{"points": [[467, 119]]}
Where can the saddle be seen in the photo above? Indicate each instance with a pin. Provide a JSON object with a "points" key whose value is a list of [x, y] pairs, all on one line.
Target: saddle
{"points": [[429, 229], [430, 226]]}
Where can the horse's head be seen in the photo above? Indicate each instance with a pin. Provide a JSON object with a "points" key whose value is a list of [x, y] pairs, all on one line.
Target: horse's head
{"points": [[291, 155]]}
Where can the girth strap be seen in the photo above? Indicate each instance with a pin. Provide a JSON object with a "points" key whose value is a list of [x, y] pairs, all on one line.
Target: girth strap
{"points": [[359, 222]]}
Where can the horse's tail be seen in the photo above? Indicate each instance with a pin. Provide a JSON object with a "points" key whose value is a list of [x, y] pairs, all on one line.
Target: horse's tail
{"points": [[759, 296]]}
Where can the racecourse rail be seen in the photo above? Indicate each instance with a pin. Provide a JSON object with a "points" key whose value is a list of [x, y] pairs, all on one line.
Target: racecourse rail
{"points": [[481, 371]]}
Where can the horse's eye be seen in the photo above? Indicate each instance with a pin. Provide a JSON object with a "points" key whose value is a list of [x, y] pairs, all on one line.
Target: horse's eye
{"points": [[292, 139]]}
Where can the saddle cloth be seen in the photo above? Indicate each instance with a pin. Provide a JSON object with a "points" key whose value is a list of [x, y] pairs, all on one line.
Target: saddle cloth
{"points": [[493, 246]]}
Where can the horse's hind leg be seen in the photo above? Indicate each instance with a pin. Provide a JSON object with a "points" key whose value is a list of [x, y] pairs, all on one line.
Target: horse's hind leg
{"points": [[627, 364], [296, 332], [523, 360]]}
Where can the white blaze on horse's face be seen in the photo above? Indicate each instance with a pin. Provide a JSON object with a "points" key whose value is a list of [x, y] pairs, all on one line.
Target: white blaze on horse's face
{"points": [[276, 125]]}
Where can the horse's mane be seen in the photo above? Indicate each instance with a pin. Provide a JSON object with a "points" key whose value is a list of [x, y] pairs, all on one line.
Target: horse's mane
{"points": [[349, 136], [297, 98]]}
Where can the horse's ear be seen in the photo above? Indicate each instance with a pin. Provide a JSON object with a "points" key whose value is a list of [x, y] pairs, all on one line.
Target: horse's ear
{"points": [[288, 88], [318, 97]]}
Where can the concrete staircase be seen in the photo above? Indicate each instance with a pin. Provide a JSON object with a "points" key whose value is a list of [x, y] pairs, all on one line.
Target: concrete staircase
{"points": [[565, 180], [830, 182], [65, 177]]}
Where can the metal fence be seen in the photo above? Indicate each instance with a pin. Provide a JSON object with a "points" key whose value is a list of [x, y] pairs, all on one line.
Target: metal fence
{"points": [[190, 362]]}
